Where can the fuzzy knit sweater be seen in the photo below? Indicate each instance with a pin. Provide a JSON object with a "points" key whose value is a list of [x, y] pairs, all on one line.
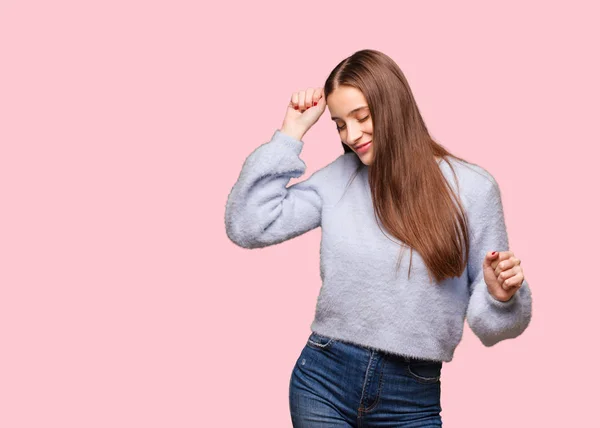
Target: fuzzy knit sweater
{"points": [[363, 298]]}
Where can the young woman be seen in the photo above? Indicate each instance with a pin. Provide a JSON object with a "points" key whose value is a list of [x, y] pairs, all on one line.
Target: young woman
{"points": [[383, 324]]}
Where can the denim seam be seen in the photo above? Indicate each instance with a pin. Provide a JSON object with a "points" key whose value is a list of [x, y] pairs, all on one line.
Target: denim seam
{"points": [[322, 345], [422, 378], [376, 402], [365, 382]]}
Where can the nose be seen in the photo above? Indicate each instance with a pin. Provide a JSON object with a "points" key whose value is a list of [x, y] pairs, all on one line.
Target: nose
{"points": [[354, 132]]}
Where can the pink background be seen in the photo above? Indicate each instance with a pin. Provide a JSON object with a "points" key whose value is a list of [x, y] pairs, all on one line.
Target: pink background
{"points": [[123, 127]]}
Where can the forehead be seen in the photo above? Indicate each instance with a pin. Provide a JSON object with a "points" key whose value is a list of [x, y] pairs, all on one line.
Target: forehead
{"points": [[343, 100]]}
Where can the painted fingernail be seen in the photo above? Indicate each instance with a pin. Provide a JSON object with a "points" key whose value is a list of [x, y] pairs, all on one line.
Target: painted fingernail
{"points": [[493, 253], [314, 104], [295, 107]]}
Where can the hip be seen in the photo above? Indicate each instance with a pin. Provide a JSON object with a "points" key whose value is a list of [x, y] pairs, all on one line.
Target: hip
{"points": [[364, 383]]}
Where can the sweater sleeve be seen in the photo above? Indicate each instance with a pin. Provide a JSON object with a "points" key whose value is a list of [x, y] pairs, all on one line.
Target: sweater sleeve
{"points": [[490, 319], [261, 210]]}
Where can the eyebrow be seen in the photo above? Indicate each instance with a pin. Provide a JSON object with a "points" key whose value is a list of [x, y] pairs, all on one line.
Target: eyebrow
{"points": [[353, 111]]}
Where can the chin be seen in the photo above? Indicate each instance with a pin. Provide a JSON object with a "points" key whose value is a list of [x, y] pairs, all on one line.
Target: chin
{"points": [[366, 159]]}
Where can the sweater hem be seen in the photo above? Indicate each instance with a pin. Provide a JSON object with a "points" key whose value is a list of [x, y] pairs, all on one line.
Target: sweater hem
{"points": [[399, 351]]}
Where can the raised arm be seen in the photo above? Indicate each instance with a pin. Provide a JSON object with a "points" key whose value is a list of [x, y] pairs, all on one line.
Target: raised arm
{"points": [[261, 210], [490, 319]]}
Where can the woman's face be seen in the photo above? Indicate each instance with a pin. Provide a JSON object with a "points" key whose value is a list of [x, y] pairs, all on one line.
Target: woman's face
{"points": [[350, 112]]}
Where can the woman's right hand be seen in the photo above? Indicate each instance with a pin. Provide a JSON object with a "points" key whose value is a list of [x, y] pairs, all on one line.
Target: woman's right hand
{"points": [[303, 111]]}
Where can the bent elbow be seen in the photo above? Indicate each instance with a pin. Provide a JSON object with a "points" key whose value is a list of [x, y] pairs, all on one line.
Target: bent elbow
{"points": [[240, 232]]}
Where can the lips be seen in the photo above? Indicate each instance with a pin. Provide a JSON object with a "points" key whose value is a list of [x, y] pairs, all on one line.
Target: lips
{"points": [[363, 148]]}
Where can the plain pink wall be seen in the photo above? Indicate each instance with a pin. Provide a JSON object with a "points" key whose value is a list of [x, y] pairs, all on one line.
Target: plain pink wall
{"points": [[123, 127]]}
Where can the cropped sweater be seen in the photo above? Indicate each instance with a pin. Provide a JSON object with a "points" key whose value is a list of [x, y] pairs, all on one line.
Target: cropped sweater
{"points": [[364, 299]]}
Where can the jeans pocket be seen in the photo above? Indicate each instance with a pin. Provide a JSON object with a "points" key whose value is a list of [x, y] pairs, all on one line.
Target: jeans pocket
{"points": [[318, 341], [424, 371]]}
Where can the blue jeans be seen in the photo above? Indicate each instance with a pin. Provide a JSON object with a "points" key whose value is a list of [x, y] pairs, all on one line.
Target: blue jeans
{"points": [[339, 384]]}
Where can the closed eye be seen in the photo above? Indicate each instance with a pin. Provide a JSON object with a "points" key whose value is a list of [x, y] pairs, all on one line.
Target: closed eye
{"points": [[339, 128]]}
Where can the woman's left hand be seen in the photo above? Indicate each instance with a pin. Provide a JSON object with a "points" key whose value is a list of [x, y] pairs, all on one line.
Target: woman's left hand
{"points": [[503, 274]]}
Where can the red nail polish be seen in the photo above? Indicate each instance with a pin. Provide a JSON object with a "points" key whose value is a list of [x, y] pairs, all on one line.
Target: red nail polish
{"points": [[314, 104], [493, 253], [295, 107]]}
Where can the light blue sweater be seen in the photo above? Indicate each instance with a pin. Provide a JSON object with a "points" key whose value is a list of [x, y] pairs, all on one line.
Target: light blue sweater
{"points": [[363, 299]]}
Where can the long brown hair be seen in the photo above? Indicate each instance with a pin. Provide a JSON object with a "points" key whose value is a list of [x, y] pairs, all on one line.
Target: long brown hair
{"points": [[410, 194]]}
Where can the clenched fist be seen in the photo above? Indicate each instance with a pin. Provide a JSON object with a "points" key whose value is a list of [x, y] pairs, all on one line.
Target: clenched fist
{"points": [[503, 274], [303, 111]]}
